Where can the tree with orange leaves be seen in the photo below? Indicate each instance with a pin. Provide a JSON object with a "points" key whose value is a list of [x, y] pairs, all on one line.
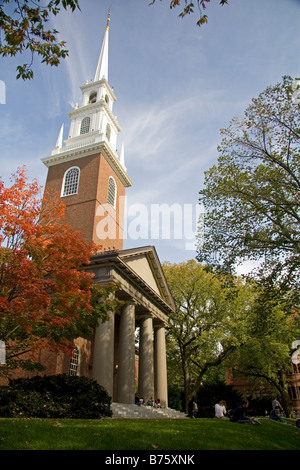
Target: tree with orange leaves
{"points": [[46, 298]]}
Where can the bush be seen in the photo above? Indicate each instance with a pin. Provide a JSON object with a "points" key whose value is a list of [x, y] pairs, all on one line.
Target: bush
{"points": [[175, 398], [259, 406], [57, 396]]}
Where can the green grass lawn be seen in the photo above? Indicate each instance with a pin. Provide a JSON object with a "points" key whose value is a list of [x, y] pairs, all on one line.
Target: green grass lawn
{"points": [[151, 435]]}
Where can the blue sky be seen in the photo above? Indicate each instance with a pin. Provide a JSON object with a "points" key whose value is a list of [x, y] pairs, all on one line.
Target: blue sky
{"points": [[177, 85]]}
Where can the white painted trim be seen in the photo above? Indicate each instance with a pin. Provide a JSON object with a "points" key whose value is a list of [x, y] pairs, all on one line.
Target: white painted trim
{"points": [[64, 179], [91, 149]]}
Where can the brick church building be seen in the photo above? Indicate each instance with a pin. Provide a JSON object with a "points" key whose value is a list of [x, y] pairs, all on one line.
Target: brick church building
{"points": [[91, 178]]}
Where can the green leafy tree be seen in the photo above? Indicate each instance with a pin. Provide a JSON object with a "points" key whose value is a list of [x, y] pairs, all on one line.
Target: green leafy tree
{"points": [[210, 322], [189, 7], [265, 359], [252, 195], [24, 27], [224, 322]]}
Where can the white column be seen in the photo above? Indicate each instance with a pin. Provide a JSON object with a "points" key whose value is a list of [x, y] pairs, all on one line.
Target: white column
{"points": [[126, 356], [160, 365], [146, 367], [103, 364]]}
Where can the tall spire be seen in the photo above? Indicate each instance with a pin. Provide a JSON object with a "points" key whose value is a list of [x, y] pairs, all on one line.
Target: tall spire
{"points": [[102, 67]]}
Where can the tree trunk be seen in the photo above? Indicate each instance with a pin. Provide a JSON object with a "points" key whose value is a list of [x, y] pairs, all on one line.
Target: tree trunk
{"points": [[187, 385], [284, 394]]}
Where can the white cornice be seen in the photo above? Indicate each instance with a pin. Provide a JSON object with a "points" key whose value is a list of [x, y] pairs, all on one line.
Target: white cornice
{"points": [[84, 151]]}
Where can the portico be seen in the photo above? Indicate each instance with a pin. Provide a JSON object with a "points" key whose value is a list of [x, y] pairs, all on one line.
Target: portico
{"points": [[147, 302]]}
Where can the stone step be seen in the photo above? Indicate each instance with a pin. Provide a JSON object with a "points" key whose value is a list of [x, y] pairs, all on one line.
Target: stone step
{"points": [[131, 411]]}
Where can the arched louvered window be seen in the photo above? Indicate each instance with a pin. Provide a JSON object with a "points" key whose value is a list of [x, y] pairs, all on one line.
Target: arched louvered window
{"points": [[112, 192], [74, 366], [93, 97], [108, 131], [85, 125], [71, 181]]}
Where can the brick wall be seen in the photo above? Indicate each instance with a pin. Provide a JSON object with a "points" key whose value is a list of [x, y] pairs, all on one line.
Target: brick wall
{"points": [[93, 188]]}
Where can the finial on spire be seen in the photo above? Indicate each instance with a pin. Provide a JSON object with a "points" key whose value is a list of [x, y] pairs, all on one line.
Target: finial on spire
{"points": [[108, 18]]}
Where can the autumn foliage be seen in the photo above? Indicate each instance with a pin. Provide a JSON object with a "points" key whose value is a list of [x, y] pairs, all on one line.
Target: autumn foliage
{"points": [[45, 296]]}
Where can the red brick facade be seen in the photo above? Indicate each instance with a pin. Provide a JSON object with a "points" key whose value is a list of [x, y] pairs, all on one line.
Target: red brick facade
{"points": [[81, 208]]}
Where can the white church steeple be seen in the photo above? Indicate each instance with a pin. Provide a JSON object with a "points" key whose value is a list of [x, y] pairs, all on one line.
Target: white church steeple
{"points": [[93, 123], [94, 118]]}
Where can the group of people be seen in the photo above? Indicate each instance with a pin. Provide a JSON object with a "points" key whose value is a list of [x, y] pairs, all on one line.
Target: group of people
{"points": [[239, 414], [151, 402]]}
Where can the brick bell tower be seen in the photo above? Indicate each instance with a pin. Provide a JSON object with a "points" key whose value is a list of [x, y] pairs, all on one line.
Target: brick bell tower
{"points": [[86, 171]]}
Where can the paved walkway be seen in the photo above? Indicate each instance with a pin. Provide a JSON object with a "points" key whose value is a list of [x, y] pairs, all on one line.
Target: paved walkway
{"points": [[122, 410]]}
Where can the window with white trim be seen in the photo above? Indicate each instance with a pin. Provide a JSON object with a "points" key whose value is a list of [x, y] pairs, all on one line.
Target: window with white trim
{"points": [[71, 181], [85, 125], [74, 362], [112, 192]]}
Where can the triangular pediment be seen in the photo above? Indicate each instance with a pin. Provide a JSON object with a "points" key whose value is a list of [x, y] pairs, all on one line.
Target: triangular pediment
{"points": [[145, 263]]}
